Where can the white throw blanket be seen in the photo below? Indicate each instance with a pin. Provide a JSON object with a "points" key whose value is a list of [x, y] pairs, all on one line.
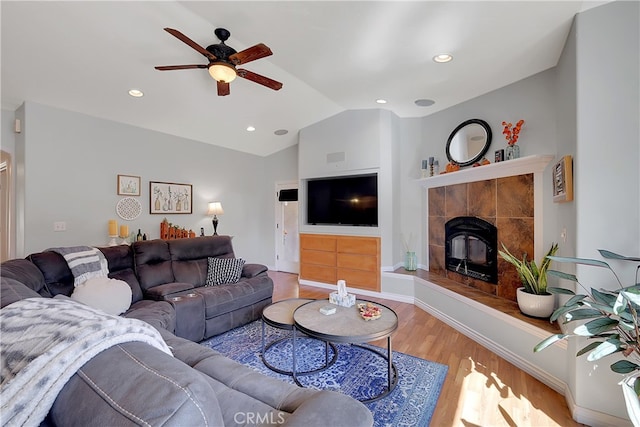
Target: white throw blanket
{"points": [[45, 341], [84, 262]]}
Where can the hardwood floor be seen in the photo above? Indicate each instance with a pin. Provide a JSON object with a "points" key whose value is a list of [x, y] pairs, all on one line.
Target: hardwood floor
{"points": [[481, 389]]}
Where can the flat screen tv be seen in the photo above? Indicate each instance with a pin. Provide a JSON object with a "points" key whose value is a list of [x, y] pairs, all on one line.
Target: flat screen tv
{"points": [[344, 200]]}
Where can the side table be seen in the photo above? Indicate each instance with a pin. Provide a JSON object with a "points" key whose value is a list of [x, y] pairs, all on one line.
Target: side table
{"points": [[279, 315]]}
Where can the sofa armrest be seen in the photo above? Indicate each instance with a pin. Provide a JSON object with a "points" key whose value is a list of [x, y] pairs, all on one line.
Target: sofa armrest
{"points": [[252, 270], [160, 292], [122, 384], [330, 408]]}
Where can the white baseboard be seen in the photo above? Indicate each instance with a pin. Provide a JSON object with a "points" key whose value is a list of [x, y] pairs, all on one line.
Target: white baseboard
{"points": [[593, 418], [363, 292]]}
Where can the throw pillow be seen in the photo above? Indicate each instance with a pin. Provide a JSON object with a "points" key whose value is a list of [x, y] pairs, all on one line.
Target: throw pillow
{"points": [[109, 295], [223, 270]]}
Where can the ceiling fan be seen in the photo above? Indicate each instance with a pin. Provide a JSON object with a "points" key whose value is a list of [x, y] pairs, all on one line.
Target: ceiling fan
{"points": [[223, 60]]}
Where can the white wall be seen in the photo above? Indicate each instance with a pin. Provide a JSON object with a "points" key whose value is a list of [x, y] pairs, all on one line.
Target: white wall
{"points": [[71, 163], [7, 140], [606, 164]]}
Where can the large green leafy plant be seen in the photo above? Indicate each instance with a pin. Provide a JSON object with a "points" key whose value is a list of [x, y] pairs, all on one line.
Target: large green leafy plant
{"points": [[533, 278], [610, 323]]}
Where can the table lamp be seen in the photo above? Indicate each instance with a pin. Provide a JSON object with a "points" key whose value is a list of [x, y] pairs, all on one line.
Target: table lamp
{"points": [[215, 208]]}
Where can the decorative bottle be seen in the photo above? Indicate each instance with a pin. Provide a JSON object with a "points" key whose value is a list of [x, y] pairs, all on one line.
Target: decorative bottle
{"points": [[139, 236]]}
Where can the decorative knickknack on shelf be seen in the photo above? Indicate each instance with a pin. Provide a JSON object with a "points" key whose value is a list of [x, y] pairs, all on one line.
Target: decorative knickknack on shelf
{"points": [[410, 261], [512, 152], [410, 258], [512, 133]]}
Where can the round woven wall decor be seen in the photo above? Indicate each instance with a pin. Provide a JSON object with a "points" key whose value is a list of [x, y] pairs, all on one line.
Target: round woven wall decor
{"points": [[128, 208]]}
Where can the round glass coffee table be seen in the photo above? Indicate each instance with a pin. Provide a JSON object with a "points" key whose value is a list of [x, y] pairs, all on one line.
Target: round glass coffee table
{"points": [[279, 315], [347, 326]]}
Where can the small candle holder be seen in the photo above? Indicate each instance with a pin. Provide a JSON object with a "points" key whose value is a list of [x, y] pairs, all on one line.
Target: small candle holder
{"points": [[125, 240], [113, 242]]}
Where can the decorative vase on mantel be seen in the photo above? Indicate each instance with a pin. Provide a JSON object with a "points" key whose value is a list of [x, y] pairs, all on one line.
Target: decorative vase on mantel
{"points": [[512, 152]]}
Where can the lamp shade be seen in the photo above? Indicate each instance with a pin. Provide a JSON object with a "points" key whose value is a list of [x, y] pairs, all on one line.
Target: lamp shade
{"points": [[215, 208], [222, 72]]}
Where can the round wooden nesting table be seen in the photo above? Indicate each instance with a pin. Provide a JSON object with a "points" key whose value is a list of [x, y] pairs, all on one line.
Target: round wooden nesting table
{"points": [[279, 315], [347, 326]]}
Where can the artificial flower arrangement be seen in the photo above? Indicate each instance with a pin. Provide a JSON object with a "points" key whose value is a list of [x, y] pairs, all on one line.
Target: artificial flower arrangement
{"points": [[511, 132]]}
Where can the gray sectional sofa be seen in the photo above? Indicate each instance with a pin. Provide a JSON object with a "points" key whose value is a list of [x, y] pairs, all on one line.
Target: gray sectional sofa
{"points": [[134, 383]]}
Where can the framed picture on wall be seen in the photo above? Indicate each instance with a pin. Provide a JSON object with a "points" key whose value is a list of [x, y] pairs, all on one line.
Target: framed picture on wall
{"points": [[169, 198], [128, 185], [563, 180]]}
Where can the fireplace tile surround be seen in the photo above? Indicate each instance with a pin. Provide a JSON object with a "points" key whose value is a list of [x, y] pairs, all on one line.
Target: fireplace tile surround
{"points": [[507, 203], [504, 194]]}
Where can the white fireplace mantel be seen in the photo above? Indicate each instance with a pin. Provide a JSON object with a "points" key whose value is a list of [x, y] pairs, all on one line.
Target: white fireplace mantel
{"points": [[524, 165]]}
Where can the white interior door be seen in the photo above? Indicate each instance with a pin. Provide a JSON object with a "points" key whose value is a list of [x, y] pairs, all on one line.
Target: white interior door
{"points": [[5, 209], [287, 238]]}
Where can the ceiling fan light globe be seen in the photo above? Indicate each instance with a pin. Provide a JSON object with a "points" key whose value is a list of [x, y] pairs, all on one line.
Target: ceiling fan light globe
{"points": [[222, 72]]}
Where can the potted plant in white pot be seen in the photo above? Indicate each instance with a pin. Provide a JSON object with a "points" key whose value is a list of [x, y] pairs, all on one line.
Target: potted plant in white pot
{"points": [[610, 322], [533, 298]]}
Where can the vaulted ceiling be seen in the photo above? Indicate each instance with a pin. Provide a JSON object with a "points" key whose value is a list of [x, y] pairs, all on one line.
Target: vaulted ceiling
{"points": [[331, 56]]}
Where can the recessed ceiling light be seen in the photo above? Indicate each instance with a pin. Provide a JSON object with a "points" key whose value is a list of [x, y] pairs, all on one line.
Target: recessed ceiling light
{"points": [[381, 101], [281, 132], [250, 128], [136, 93], [424, 102], [443, 57]]}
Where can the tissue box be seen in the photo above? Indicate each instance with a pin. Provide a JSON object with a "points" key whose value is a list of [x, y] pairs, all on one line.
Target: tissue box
{"points": [[343, 301]]}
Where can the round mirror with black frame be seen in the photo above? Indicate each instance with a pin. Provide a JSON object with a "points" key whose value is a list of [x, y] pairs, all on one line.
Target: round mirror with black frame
{"points": [[468, 142]]}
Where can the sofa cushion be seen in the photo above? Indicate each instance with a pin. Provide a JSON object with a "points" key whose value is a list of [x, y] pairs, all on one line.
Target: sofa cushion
{"points": [[25, 272], [109, 295], [153, 263], [148, 387], [189, 257], [223, 270], [11, 291], [159, 314], [226, 298], [57, 275]]}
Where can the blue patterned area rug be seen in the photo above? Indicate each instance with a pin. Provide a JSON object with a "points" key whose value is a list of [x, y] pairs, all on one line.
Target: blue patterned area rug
{"points": [[356, 372]]}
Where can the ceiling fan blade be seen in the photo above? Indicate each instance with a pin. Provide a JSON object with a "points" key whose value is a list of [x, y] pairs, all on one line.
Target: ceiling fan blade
{"points": [[177, 34], [180, 67], [257, 78], [223, 89], [250, 54]]}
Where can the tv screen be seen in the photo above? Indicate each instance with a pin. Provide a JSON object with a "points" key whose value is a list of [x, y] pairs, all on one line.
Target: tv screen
{"points": [[346, 200]]}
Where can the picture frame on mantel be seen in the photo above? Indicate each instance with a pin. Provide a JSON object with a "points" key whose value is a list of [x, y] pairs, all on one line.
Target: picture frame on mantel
{"points": [[128, 185], [563, 180], [170, 198]]}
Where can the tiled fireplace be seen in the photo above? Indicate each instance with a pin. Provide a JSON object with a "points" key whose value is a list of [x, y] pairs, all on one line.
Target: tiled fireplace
{"points": [[507, 195], [507, 203]]}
